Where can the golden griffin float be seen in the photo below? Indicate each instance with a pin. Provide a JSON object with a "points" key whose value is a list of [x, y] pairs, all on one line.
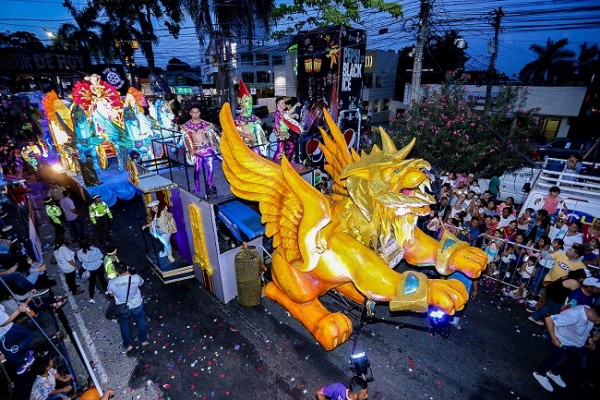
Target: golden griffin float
{"points": [[324, 242]]}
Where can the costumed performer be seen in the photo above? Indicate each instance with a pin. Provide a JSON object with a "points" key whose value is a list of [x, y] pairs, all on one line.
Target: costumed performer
{"points": [[249, 125], [131, 167], [162, 227], [200, 140], [88, 172], [284, 142]]}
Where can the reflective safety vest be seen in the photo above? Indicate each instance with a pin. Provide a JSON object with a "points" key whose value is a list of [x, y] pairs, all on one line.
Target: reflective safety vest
{"points": [[54, 213], [99, 210], [109, 266]]}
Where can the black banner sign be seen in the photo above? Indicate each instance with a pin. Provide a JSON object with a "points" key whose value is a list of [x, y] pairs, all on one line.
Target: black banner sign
{"points": [[23, 61]]}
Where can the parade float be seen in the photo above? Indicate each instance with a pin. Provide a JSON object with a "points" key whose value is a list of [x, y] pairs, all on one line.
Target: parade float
{"points": [[336, 242]]}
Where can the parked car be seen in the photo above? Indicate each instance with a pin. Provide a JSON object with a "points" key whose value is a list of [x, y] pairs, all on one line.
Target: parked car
{"points": [[565, 147]]}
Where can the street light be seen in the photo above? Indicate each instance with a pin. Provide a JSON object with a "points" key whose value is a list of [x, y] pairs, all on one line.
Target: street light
{"points": [[50, 34]]}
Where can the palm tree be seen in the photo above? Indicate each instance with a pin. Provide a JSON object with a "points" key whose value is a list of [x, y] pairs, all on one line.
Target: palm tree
{"points": [[554, 64], [588, 62], [218, 22], [133, 20], [86, 33]]}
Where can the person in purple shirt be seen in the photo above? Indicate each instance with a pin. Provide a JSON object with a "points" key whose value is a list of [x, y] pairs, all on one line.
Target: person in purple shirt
{"points": [[357, 391]]}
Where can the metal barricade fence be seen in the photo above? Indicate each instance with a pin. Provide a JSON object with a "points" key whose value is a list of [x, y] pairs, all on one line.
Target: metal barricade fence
{"points": [[504, 266]]}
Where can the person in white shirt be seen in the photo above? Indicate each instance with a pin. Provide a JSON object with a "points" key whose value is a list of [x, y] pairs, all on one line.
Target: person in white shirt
{"points": [[570, 334], [506, 217], [573, 235], [92, 259], [126, 288], [559, 229], [65, 259]]}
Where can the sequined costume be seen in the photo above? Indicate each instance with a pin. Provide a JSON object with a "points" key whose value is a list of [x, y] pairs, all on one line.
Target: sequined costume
{"points": [[199, 141], [284, 141], [249, 125]]}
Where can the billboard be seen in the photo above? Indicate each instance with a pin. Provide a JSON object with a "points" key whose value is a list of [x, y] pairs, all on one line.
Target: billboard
{"points": [[331, 63], [26, 61]]}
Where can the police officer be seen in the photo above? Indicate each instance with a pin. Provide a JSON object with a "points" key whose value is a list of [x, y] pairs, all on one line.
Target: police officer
{"points": [[55, 215], [109, 262], [100, 216]]}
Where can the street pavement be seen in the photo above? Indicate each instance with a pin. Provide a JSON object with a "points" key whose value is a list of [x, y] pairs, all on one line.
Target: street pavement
{"points": [[202, 348]]}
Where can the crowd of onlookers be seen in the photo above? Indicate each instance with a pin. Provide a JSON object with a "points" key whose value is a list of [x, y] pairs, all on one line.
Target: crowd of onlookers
{"points": [[521, 246], [544, 253]]}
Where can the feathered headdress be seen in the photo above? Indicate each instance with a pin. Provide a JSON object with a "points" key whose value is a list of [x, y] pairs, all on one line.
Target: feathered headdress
{"points": [[243, 93]]}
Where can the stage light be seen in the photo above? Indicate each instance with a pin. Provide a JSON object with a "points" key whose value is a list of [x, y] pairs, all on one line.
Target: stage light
{"points": [[58, 168], [360, 363], [438, 318]]}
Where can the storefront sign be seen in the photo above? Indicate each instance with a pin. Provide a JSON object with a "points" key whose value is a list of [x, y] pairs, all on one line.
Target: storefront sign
{"points": [[23, 61]]}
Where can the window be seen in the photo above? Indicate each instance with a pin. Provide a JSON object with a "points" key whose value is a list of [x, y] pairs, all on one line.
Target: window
{"points": [[369, 81], [262, 59], [386, 104], [263, 77], [246, 58], [277, 59], [248, 77]]}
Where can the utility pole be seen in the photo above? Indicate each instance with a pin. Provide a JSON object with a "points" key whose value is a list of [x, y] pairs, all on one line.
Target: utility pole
{"points": [[421, 40], [498, 14]]}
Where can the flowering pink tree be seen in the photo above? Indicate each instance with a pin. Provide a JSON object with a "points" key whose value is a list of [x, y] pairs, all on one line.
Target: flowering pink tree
{"points": [[452, 135]]}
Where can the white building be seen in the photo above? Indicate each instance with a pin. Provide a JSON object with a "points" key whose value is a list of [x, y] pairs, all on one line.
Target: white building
{"points": [[379, 84], [557, 106]]}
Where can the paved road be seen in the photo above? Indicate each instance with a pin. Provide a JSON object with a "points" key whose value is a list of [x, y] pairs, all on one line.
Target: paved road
{"points": [[201, 348]]}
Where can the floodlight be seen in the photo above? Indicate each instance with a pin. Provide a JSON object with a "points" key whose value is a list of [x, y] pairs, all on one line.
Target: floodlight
{"points": [[360, 363], [438, 319]]}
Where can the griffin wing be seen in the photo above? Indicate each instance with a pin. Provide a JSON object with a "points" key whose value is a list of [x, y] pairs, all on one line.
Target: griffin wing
{"points": [[292, 210], [57, 111], [337, 155]]}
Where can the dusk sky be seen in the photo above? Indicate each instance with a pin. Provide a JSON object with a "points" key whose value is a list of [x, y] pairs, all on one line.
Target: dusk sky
{"points": [[526, 22]]}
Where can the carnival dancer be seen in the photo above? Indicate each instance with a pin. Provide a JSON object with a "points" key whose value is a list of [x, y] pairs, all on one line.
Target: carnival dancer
{"points": [[55, 214], [284, 142], [100, 216], [162, 227], [200, 140], [249, 125]]}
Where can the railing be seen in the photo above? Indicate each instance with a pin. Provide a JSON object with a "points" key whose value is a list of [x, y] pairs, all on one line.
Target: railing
{"points": [[574, 186]]}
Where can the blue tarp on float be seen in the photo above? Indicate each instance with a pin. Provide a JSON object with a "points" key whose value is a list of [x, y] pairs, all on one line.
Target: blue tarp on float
{"points": [[115, 185]]}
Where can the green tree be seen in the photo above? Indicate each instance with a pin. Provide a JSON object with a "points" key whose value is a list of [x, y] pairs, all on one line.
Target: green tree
{"points": [[86, 33], [440, 56], [588, 62], [554, 64], [134, 20], [329, 12], [219, 22], [453, 136], [20, 39]]}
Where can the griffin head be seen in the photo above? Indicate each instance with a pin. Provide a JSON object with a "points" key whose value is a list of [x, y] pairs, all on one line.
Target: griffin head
{"points": [[387, 191]]}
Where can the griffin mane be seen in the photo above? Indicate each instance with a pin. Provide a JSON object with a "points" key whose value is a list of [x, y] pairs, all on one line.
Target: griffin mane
{"points": [[373, 209]]}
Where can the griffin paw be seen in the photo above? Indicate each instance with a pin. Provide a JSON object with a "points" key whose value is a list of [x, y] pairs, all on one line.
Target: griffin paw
{"points": [[449, 295], [333, 330]]}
